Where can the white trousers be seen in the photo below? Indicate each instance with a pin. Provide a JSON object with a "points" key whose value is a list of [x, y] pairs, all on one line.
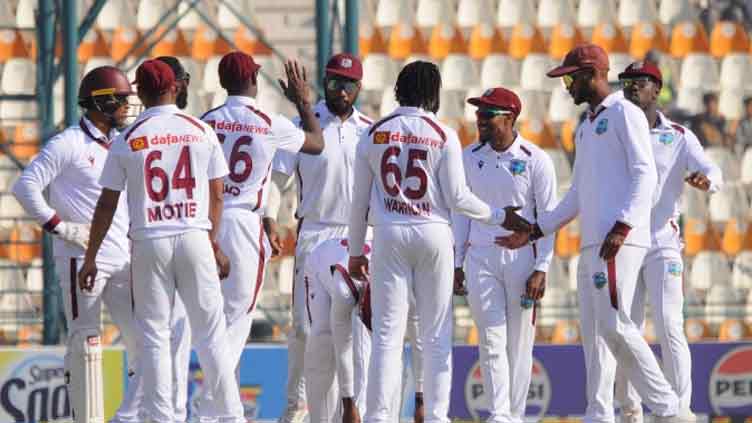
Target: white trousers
{"points": [[496, 282], [182, 265], [310, 235], [609, 335], [414, 259], [83, 311], [661, 279]]}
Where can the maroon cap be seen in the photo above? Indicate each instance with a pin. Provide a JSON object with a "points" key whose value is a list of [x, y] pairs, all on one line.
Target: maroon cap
{"points": [[500, 98], [642, 68], [236, 68], [581, 57], [154, 77], [345, 64]]}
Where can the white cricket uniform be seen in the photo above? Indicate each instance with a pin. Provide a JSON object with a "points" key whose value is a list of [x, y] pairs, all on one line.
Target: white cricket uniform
{"points": [[408, 171], [166, 159], [339, 343], [249, 139], [614, 180], [677, 153], [325, 187], [69, 166], [497, 277]]}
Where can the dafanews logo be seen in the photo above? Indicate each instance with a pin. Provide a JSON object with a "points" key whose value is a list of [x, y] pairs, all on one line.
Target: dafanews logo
{"points": [[731, 383], [34, 390], [538, 394]]}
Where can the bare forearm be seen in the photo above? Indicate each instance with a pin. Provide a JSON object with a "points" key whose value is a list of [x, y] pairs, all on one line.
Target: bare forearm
{"points": [[103, 215], [314, 140], [216, 204]]}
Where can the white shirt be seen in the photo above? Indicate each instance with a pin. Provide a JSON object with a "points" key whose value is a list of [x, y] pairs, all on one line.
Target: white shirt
{"points": [[249, 139], [166, 160], [69, 165], [327, 265], [414, 165], [523, 175], [614, 175], [325, 181], [677, 152]]}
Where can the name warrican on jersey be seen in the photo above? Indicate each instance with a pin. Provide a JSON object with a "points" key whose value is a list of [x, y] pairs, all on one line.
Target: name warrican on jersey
{"points": [[166, 160], [249, 139], [70, 165], [414, 164]]}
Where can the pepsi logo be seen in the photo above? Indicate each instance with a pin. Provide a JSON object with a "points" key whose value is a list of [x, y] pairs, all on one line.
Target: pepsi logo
{"points": [[731, 383], [538, 394]]}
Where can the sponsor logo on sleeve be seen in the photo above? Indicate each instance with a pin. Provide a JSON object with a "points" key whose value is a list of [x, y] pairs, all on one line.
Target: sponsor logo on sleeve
{"points": [[138, 144]]}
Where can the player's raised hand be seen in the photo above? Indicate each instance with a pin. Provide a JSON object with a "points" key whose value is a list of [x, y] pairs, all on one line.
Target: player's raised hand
{"points": [[358, 267], [513, 241], [514, 222], [459, 282], [536, 285], [87, 275], [699, 181], [296, 89], [223, 263]]}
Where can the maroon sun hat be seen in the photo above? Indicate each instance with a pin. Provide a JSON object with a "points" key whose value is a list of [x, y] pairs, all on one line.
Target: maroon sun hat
{"points": [[585, 56], [500, 98], [642, 68], [235, 68], [154, 76], [345, 64]]}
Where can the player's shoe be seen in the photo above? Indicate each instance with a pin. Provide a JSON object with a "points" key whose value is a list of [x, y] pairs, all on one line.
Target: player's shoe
{"points": [[294, 414], [684, 417], [631, 416]]}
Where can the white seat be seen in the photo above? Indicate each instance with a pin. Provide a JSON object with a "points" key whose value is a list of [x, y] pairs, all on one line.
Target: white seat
{"points": [[731, 103], [736, 72], [13, 112], [557, 275], [572, 267], [499, 70], [25, 12], [671, 12], [473, 12], [635, 11], [561, 108], [727, 161], [458, 72], [469, 108], [561, 166], [451, 109], [7, 18], [217, 98], [430, 13], [379, 71], [227, 19], [388, 102], [271, 101], [96, 62], [617, 63], [389, 12], [746, 174], [695, 204], [35, 276], [552, 12], [721, 303], [286, 270], [116, 13], [709, 268], [512, 12], [741, 275], [699, 71], [590, 13], [12, 285], [690, 100], [197, 104], [211, 75], [533, 104], [149, 12], [730, 202], [192, 20], [19, 76], [533, 73], [10, 211]]}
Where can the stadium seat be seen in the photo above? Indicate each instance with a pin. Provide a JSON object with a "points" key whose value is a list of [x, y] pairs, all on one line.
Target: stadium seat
{"points": [[554, 305], [728, 37], [430, 13], [515, 12], [734, 236], [553, 12], [93, 45], [217, 98], [24, 244], [11, 279], [192, 20], [746, 173], [96, 62], [727, 161], [7, 18], [561, 108], [647, 36], [709, 268], [25, 11], [533, 73], [485, 40], [721, 302], [730, 202], [566, 332], [286, 270], [388, 102], [699, 71], [446, 38], [12, 45], [574, 261], [25, 141], [499, 70], [19, 76], [14, 112], [538, 132], [526, 39], [736, 72], [695, 236], [369, 37], [149, 12], [452, 109], [567, 131], [467, 133], [696, 330], [741, 275], [533, 105], [672, 12], [561, 166], [203, 44], [731, 103], [389, 12], [590, 13], [564, 38], [458, 71], [379, 70], [35, 276], [617, 63], [687, 38], [116, 13], [227, 19], [471, 13], [732, 330], [475, 91], [690, 100], [173, 44], [123, 40], [403, 40], [633, 12], [211, 75], [609, 37]]}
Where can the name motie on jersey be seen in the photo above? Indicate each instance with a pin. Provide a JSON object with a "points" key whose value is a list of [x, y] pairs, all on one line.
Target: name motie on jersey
{"points": [[171, 211]]}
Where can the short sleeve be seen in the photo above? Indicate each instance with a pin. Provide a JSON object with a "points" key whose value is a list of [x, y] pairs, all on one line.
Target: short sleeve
{"points": [[217, 163], [285, 162], [285, 135], [114, 173]]}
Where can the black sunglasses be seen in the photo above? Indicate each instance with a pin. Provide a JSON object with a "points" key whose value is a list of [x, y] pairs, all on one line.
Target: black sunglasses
{"points": [[334, 84]]}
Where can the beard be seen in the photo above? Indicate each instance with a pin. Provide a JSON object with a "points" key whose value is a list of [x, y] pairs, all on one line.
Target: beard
{"points": [[182, 99], [337, 106]]}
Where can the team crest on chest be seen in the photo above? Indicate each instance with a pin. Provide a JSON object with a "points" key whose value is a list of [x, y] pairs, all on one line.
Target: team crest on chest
{"points": [[517, 167], [480, 164], [599, 280], [666, 139], [601, 126], [674, 268]]}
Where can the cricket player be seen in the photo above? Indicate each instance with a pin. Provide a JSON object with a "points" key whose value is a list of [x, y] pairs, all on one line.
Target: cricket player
{"points": [[69, 166], [679, 158], [408, 171], [325, 187], [503, 168], [249, 138], [173, 167], [340, 343], [612, 191]]}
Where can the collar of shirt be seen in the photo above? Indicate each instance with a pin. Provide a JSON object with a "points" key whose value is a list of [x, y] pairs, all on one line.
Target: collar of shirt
{"points": [[159, 110], [662, 125], [412, 111], [240, 100], [606, 103], [512, 151], [94, 133], [325, 115]]}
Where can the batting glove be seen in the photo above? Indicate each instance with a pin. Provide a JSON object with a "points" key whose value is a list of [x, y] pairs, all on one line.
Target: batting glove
{"points": [[75, 233]]}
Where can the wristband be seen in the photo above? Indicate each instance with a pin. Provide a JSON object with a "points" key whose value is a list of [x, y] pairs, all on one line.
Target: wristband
{"points": [[621, 228], [52, 223]]}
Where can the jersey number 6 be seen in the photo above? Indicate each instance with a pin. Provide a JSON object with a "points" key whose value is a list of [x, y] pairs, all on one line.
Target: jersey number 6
{"points": [[182, 176], [389, 167], [239, 156]]}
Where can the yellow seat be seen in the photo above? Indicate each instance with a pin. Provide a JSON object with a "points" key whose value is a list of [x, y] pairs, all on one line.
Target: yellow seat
{"points": [[123, 40], [688, 37], [728, 37], [25, 141], [566, 332], [405, 40], [564, 38], [538, 132], [485, 40], [609, 37], [204, 42], [733, 330], [695, 232], [445, 38], [567, 134], [173, 44], [371, 41], [733, 237], [696, 330], [23, 244], [647, 36], [562, 244], [472, 336], [12, 45], [93, 45], [526, 39]]}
